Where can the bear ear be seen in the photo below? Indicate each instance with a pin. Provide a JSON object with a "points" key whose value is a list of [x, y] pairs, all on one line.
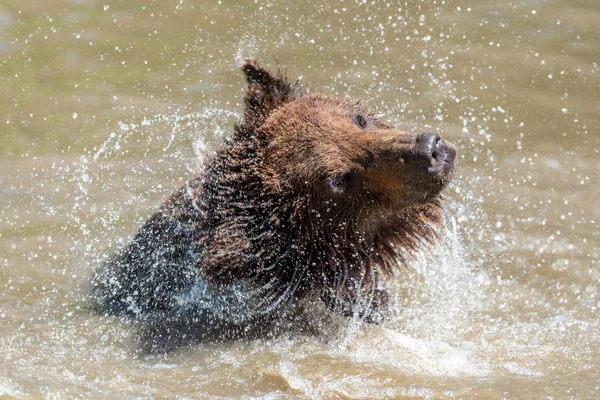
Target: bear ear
{"points": [[339, 183], [266, 92]]}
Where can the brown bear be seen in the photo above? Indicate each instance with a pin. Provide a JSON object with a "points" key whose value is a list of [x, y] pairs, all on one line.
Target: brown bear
{"points": [[312, 197]]}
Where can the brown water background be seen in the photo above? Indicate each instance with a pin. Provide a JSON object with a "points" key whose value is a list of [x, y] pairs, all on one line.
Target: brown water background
{"points": [[107, 105]]}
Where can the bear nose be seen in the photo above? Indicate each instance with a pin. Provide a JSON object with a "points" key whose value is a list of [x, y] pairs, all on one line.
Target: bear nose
{"points": [[431, 152]]}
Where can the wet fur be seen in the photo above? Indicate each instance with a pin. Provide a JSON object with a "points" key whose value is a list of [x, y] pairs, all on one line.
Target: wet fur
{"points": [[293, 207]]}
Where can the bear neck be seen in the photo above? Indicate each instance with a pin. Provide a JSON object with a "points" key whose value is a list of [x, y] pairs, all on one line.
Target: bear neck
{"points": [[294, 234]]}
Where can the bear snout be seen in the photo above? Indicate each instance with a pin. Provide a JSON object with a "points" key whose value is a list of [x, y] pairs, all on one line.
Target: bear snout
{"points": [[433, 154]]}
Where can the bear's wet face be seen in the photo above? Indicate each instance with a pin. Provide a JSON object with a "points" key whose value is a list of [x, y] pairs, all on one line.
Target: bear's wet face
{"points": [[312, 197], [336, 149]]}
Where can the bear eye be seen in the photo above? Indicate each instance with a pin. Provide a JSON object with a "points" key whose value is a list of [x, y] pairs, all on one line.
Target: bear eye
{"points": [[360, 121]]}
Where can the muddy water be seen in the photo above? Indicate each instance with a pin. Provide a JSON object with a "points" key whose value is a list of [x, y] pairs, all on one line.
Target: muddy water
{"points": [[107, 106]]}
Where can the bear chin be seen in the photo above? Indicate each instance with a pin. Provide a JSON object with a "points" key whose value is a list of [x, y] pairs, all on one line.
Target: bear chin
{"points": [[312, 200]]}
